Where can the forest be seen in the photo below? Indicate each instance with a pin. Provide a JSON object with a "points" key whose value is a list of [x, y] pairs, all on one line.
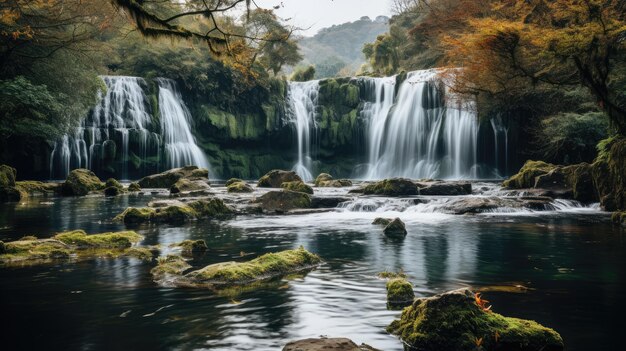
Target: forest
{"points": [[202, 174]]}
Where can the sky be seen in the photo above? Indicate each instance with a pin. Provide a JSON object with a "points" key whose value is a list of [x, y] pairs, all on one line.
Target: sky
{"points": [[313, 15]]}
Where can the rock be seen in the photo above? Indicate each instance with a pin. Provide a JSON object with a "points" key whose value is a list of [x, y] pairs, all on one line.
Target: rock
{"points": [[323, 177], [327, 201], [167, 179], [445, 188], [36, 187], [170, 265], [80, 182], [265, 267], [111, 191], [233, 181], [283, 201], [527, 175], [399, 293], [275, 179], [337, 183], [382, 221], [190, 247], [391, 187], [454, 321], [11, 194], [80, 239], [134, 187], [326, 344], [112, 182], [176, 213], [186, 185], [608, 174], [395, 229], [239, 187], [619, 218], [7, 176], [391, 275], [298, 186]]}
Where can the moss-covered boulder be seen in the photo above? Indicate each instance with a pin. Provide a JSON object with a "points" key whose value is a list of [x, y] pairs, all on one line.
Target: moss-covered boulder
{"points": [[276, 178], [33, 250], [399, 293], [395, 229], [232, 181], [283, 201], [112, 191], [326, 344], [80, 182], [454, 321], [265, 267], [382, 221], [445, 188], [527, 175], [239, 187], [8, 191], [391, 187], [325, 180], [323, 177], [134, 187], [80, 239], [11, 194], [609, 174], [176, 213], [619, 218], [190, 247], [167, 179], [36, 187], [112, 182], [391, 275], [187, 185], [169, 265], [298, 186]]}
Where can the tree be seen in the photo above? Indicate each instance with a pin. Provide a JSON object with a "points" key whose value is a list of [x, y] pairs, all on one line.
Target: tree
{"points": [[303, 74], [559, 43], [383, 54]]}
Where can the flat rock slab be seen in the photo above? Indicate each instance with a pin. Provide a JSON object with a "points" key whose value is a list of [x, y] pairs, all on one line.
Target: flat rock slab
{"points": [[334, 344]]}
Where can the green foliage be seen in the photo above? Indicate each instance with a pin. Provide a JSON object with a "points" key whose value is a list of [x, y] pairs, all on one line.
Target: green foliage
{"points": [[303, 74]]}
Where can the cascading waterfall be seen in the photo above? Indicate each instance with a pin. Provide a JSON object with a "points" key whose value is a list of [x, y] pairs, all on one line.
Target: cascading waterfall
{"points": [[425, 134], [303, 100], [179, 143], [501, 138]]}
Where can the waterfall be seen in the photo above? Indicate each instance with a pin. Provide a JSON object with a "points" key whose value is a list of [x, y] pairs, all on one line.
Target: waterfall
{"points": [[427, 133], [179, 143], [119, 137], [303, 100], [500, 137]]}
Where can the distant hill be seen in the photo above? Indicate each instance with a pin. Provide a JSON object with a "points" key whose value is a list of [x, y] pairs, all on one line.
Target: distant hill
{"points": [[338, 49]]}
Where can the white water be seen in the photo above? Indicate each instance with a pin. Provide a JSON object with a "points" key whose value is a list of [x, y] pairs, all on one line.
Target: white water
{"points": [[421, 135], [180, 146], [303, 100]]}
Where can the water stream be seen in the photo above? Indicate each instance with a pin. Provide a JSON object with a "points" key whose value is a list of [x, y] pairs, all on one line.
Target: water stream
{"points": [[303, 101]]}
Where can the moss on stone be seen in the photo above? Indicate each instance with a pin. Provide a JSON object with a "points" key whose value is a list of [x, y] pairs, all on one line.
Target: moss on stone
{"points": [[619, 218], [275, 178], [29, 237], [609, 172], [186, 185], [169, 265], [140, 253], [112, 182], [8, 175], [453, 321], [190, 247], [391, 187], [34, 187], [233, 181], [239, 187], [399, 293], [80, 182], [167, 179], [282, 201], [211, 208], [297, 186], [134, 187], [527, 175], [323, 177], [80, 239], [33, 250], [337, 183], [382, 221], [391, 275], [111, 191], [395, 229], [264, 267]]}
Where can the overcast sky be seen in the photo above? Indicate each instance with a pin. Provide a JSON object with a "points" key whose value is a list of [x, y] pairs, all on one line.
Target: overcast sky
{"points": [[318, 14]]}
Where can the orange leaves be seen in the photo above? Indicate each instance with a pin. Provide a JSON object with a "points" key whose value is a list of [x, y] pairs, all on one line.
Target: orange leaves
{"points": [[482, 303]]}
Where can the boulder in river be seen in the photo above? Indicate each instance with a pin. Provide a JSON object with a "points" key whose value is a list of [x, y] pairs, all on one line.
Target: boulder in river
{"points": [[283, 201], [276, 178], [527, 175], [167, 179], [441, 188], [298, 186], [81, 182], [382, 221], [190, 247], [391, 187], [323, 177], [233, 181], [326, 344], [185, 185], [399, 293], [239, 187], [111, 191], [619, 218], [459, 320], [325, 180], [395, 229], [9, 192], [134, 187], [177, 212]]}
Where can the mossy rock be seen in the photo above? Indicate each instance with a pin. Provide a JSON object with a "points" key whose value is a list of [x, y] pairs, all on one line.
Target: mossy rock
{"points": [[8, 175], [36, 187], [399, 293], [395, 229], [336, 183], [297, 186], [239, 187], [233, 181], [323, 177], [80, 239], [200, 209], [527, 175], [391, 275], [134, 187], [140, 253], [382, 221], [265, 267], [608, 173], [11, 194], [167, 179], [326, 344], [187, 185], [111, 191], [275, 178], [29, 250], [283, 201], [391, 187], [619, 219], [169, 265], [454, 321], [190, 247], [112, 182], [80, 182]]}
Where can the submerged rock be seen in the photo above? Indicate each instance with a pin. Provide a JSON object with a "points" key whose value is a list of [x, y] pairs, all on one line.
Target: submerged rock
{"points": [[168, 266], [79, 239], [265, 267], [395, 229], [298, 186], [455, 321], [391, 187], [276, 178], [190, 247], [167, 179], [283, 201], [239, 187], [382, 221], [327, 201], [399, 293], [176, 213], [326, 344], [187, 185], [81, 182]]}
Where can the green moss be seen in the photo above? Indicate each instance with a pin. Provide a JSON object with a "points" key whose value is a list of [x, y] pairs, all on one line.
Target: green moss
{"points": [[619, 218], [391, 275], [140, 253], [609, 175], [80, 239], [298, 187], [399, 293], [190, 247], [233, 180], [453, 321], [169, 265], [282, 201], [276, 178], [32, 187], [33, 250], [7, 176], [211, 208], [261, 268], [382, 221], [134, 187], [29, 237], [239, 187], [111, 182], [527, 175], [323, 177], [391, 187], [80, 182], [337, 183]]}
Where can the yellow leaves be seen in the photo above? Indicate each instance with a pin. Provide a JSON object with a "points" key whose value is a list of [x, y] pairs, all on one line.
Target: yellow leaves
{"points": [[482, 303]]}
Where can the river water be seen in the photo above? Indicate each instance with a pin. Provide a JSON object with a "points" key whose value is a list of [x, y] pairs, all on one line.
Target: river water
{"points": [[572, 261]]}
